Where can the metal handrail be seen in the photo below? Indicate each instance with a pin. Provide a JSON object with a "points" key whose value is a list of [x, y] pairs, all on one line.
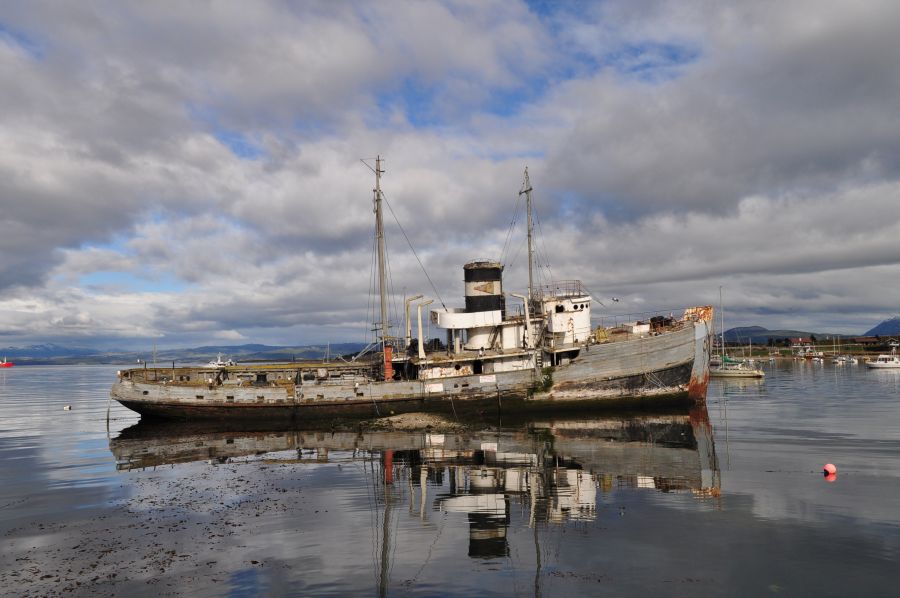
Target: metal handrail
{"points": [[560, 288]]}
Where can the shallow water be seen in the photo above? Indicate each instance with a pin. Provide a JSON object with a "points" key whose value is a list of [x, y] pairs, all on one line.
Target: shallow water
{"points": [[726, 500]]}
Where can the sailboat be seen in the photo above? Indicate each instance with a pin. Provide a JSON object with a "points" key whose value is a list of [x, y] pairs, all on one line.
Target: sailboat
{"points": [[728, 367], [543, 355], [6, 364]]}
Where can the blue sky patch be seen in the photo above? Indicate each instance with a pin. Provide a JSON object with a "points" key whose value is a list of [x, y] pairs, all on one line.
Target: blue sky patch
{"points": [[651, 62], [415, 99], [421, 102], [21, 40], [128, 282], [238, 143]]}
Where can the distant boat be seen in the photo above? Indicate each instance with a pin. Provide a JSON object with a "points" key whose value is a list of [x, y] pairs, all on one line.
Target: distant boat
{"points": [[736, 370], [891, 361], [842, 359], [728, 367], [218, 362], [6, 364]]}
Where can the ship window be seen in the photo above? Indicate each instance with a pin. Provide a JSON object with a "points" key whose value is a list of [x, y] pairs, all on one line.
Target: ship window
{"points": [[559, 309], [229, 399], [199, 396], [457, 366], [146, 392]]}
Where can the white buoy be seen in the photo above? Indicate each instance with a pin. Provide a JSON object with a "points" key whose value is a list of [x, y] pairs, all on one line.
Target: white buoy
{"points": [[67, 408]]}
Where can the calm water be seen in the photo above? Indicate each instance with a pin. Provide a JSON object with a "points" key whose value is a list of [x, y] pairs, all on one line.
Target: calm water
{"points": [[726, 500]]}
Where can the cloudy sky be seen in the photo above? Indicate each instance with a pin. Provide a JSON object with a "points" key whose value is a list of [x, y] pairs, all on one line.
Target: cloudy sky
{"points": [[183, 173]]}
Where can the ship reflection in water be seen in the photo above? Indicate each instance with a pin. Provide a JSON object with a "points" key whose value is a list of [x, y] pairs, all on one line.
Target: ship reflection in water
{"points": [[552, 470]]}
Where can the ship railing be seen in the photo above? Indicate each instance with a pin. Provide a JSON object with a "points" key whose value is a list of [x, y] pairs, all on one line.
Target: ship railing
{"points": [[559, 289], [483, 261], [643, 317]]}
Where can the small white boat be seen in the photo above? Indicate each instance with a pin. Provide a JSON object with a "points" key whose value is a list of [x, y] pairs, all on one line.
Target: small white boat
{"points": [[735, 370], [891, 361], [841, 359], [728, 367], [218, 362]]}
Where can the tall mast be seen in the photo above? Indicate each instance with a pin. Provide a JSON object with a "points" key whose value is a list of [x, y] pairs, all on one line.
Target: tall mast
{"points": [[526, 189], [722, 325], [379, 236]]}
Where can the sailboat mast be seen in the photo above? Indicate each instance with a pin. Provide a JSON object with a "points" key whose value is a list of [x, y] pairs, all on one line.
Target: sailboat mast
{"points": [[526, 189], [379, 236], [722, 325]]}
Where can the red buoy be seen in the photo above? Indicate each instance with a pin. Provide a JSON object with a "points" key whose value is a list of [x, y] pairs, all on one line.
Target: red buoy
{"points": [[830, 469]]}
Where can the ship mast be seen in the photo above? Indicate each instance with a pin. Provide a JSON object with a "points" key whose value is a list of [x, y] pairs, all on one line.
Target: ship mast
{"points": [[379, 236], [526, 189]]}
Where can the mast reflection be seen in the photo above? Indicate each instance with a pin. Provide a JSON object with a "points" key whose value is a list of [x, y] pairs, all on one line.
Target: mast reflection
{"points": [[552, 471]]}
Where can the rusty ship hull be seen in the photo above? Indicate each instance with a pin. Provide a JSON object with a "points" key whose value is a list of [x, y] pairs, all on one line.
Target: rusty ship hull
{"points": [[668, 367]]}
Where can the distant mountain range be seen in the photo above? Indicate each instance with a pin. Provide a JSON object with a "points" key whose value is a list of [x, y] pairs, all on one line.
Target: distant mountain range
{"points": [[50, 354], [760, 336], [53, 354], [890, 327]]}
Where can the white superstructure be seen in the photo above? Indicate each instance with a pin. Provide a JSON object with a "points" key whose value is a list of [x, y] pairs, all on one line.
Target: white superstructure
{"points": [[886, 361]]}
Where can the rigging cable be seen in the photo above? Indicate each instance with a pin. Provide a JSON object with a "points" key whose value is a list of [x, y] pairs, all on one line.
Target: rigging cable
{"points": [[392, 302], [518, 251], [370, 308], [543, 242], [413, 249], [512, 224]]}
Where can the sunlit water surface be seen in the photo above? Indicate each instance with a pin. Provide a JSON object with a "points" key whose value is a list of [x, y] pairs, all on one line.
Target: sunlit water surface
{"points": [[726, 500]]}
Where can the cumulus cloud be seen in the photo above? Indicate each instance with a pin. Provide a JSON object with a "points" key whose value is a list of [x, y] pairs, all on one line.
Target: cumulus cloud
{"points": [[192, 175]]}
